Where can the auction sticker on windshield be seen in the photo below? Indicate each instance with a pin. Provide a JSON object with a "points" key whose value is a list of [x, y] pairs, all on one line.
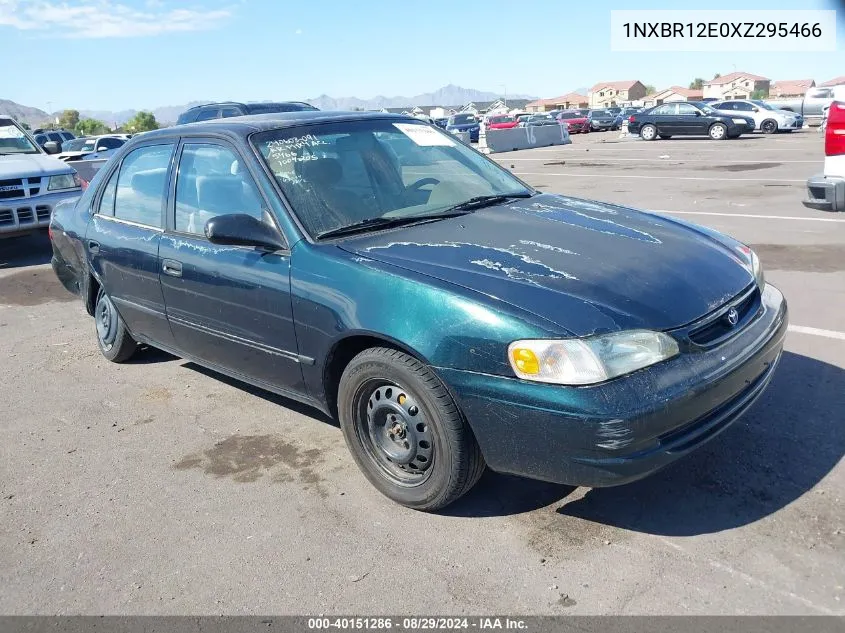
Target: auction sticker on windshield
{"points": [[423, 135]]}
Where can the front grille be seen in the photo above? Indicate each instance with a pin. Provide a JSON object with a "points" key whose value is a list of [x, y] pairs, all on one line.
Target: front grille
{"points": [[6, 217], [11, 189], [42, 211], [717, 328], [25, 215]]}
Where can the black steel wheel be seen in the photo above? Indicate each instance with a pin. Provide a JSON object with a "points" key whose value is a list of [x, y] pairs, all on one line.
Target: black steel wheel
{"points": [[405, 430], [114, 340], [769, 126]]}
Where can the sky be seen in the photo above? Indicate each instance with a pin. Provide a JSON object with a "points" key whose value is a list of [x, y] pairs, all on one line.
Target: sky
{"points": [[135, 54]]}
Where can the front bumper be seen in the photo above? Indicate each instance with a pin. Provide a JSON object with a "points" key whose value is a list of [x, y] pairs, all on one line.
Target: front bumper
{"points": [[825, 193], [19, 216], [627, 428]]}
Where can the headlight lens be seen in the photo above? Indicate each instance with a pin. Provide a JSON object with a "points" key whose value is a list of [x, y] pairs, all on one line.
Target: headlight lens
{"points": [[64, 181], [590, 360], [755, 266]]}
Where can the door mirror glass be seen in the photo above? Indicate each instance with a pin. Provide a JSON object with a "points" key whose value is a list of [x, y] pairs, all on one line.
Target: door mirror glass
{"points": [[52, 147], [240, 229]]}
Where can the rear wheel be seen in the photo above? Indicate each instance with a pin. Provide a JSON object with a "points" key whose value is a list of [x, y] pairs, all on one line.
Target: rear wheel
{"points": [[648, 132], [769, 126], [718, 131], [114, 340], [405, 430]]}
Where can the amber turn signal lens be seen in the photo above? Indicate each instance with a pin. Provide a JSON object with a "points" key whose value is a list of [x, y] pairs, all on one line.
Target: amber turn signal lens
{"points": [[525, 360]]}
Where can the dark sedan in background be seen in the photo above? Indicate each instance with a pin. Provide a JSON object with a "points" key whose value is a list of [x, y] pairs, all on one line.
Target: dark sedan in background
{"points": [[688, 119], [450, 316], [601, 120], [464, 123]]}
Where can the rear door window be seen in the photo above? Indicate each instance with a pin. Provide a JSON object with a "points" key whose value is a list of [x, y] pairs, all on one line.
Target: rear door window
{"points": [[208, 114], [141, 185]]}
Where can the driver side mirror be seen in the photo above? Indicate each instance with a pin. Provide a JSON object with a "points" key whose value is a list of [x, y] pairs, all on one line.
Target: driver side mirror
{"points": [[52, 147], [698, 113], [755, 109], [101, 148], [240, 229]]}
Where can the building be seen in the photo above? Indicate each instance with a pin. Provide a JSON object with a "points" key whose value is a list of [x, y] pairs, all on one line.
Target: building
{"points": [[497, 106], [791, 88], [737, 85], [669, 95], [837, 81], [564, 102], [614, 93]]}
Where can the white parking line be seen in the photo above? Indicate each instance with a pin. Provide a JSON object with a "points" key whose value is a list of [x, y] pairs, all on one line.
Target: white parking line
{"points": [[814, 331], [542, 173], [750, 215]]}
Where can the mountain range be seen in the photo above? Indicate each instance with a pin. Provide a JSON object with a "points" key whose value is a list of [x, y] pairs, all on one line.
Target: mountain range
{"points": [[447, 96]]}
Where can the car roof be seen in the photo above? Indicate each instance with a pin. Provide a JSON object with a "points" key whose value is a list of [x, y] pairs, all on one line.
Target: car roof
{"points": [[242, 104], [242, 126]]}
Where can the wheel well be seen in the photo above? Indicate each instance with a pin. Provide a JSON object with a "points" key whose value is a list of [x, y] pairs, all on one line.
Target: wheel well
{"points": [[343, 352], [91, 296]]}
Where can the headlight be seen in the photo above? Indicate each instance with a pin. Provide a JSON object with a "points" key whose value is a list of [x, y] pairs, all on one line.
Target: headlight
{"points": [[64, 181], [740, 121], [754, 266], [589, 360]]}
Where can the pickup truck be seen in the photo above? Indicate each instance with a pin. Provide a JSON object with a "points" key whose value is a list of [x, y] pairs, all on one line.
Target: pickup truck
{"points": [[812, 104], [31, 182], [826, 192]]}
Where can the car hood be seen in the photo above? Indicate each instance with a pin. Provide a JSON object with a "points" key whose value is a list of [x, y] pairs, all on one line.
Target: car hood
{"points": [[29, 166], [587, 266]]}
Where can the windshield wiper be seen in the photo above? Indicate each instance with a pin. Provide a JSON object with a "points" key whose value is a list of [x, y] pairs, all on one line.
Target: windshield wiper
{"points": [[382, 222], [489, 200]]}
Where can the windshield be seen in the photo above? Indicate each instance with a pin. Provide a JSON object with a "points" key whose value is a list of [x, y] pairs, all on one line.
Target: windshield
{"points": [[79, 145], [342, 173], [537, 117], [600, 113], [569, 115], [501, 119], [13, 140], [458, 119], [763, 105]]}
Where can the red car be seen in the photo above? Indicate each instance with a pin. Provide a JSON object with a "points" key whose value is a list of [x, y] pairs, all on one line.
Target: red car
{"points": [[501, 122], [577, 122]]}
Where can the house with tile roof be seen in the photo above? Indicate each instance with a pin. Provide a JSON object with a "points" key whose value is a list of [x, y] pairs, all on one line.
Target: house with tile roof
{"points": [[669, 95], [612, 93], [736, 85], [790, 88], [568, 101], [836, 81]]}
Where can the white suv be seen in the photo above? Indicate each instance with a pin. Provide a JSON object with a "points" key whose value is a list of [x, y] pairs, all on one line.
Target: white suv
{"points": [[827, 192], [767, 119]]}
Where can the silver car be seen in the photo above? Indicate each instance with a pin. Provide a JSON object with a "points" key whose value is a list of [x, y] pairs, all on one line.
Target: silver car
{"points": [[767, 119]]}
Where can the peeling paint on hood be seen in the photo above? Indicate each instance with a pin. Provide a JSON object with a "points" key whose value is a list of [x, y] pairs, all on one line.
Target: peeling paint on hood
{"points": [[587, 266]]}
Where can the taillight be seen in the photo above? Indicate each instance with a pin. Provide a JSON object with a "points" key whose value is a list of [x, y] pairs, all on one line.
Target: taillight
{"points": [[83, 183], [50, 233], [631, 119], [834, 138]]}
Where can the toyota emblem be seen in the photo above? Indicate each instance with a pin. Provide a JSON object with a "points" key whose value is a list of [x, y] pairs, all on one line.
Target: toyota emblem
{"points": [[732, 317]]}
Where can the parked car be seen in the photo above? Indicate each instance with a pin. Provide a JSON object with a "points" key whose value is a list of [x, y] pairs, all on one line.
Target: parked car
{"points": [[501, 122], [601, 120], [449, 315], [464, 122], [767, 119], [827, 191], [811, 105], [31, 182], [209, 111], [614, 110], [576, 122], [90, 148], [688, 118], [532, 120], [441, 122], [42, 137]]}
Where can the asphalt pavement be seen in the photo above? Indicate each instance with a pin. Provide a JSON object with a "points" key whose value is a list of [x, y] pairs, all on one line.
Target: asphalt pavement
{"points": [[158, 487]]}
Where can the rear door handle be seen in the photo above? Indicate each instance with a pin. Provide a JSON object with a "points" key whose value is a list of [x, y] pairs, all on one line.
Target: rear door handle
{"points": [[171, 267], [93, 246]]}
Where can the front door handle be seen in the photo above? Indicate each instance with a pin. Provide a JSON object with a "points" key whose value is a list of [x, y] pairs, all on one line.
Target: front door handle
{"points": [[171, 267], [93, 246]]}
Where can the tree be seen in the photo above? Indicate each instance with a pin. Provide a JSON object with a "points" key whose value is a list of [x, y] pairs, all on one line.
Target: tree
{"points": [[650, 90], [716, 76], [697, 83], [69, 119], [141, 122], [91, 127], [760, 93]]}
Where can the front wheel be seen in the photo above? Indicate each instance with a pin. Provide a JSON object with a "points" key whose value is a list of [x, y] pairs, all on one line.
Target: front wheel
{"points": [[405, 431], [769, 126], [718, 132], [114, 340], [648, 132]]}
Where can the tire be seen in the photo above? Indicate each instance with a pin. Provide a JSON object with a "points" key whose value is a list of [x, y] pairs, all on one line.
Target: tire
{"points": [[114, 339], [405, 431], [648, 132], [665, 136], [718, 132], [769, 126]]}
